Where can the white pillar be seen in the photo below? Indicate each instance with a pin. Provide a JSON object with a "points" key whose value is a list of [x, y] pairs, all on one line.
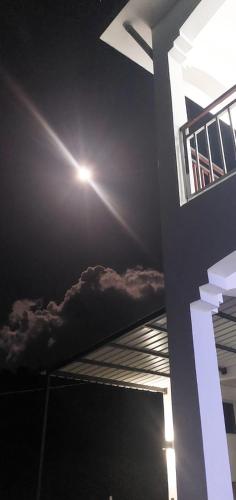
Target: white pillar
{"points": [[169, 439], [216, 458]]}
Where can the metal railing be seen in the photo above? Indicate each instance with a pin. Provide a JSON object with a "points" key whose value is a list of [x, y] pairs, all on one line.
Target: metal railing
{"points": [[209, 143]]}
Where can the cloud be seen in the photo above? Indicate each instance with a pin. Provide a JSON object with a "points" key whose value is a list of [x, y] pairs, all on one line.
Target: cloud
{"points": [[101, 301], [27, 320], [136, 283]]}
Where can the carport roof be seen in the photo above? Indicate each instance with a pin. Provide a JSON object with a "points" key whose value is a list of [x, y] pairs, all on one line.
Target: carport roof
{"points": [[138, 357]]}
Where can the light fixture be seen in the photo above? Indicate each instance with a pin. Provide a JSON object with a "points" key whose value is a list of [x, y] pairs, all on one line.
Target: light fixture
{"points": [[168, 445]]}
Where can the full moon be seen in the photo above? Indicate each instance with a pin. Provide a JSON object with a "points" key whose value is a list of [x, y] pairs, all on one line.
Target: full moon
{"points": [[84, 174]]}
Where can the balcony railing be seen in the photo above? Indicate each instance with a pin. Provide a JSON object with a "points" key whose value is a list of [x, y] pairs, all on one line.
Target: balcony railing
{"points": [[209, 143]]}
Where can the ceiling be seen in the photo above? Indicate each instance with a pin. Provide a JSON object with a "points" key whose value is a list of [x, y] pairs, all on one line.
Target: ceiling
{"points": [[209, 67], [143, 15]]}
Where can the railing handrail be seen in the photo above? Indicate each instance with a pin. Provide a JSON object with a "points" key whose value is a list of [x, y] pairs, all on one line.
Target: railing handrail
{"points": [[216, 168], [203, 113]]}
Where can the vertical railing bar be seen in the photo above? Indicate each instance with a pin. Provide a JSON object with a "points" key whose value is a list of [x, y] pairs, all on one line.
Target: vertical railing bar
{"points": [[232, 129], [209, 153], [203, 178], [185, 161], [196, 174], [192, 183], [195, 177], [221, 144], [197, 158]]}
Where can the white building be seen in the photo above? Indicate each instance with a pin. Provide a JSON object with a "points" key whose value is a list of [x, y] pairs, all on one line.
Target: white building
{"points": [[190, 47]]}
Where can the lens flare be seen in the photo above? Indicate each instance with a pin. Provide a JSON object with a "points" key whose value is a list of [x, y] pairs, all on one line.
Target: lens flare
{"points": [[104, 197], [31, 108], [84, 174]]}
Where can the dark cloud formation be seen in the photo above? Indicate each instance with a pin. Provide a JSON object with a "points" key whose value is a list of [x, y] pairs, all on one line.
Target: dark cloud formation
{"points": [[101, 302]]}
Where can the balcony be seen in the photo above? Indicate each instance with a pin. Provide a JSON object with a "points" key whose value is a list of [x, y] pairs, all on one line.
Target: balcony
{"points": [[209, 144]]}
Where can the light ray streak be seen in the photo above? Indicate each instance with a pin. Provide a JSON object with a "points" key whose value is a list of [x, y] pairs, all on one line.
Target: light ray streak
{"points": [[114, 211], [32, 109]]}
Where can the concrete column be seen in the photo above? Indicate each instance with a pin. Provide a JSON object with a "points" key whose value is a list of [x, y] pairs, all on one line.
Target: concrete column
{"points": [[169, 447], [215, 449]]}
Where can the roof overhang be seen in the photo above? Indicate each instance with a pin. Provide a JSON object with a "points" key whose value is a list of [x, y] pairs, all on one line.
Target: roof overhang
{"points": [[143, 15], [138, 357]]}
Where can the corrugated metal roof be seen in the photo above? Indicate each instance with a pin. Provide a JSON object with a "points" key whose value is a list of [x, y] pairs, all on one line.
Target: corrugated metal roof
{"points": [[139, 358], [225, 332]]}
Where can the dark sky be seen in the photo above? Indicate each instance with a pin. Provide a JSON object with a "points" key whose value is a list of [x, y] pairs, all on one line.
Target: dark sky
{"points": [[101, 441], [69, 272], [53, 229]]}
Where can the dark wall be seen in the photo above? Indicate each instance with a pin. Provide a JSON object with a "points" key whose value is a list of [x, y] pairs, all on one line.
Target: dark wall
{"points": [[101, 441], [195, 236]]}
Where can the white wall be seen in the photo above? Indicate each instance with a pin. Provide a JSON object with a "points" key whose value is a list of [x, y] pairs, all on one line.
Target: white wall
{"points": [[201, 67], [206, 46]]}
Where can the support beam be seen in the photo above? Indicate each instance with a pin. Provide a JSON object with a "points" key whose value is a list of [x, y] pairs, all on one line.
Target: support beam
{"points": [[114, 382], [158, 328], [169, 448], [225, 348], [224, 315], [141, 350], [122, 367], [138, 39]]}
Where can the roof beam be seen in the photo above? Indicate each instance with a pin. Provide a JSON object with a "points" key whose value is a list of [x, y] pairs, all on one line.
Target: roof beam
{"points": [[158, 328], [114, 382], [224, 315], [104, 364], [142, 350], [138, 39], [226, 348]]}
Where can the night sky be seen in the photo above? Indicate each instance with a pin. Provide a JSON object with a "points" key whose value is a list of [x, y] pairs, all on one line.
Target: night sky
{"points": [[72, 270], [55, 232]]}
